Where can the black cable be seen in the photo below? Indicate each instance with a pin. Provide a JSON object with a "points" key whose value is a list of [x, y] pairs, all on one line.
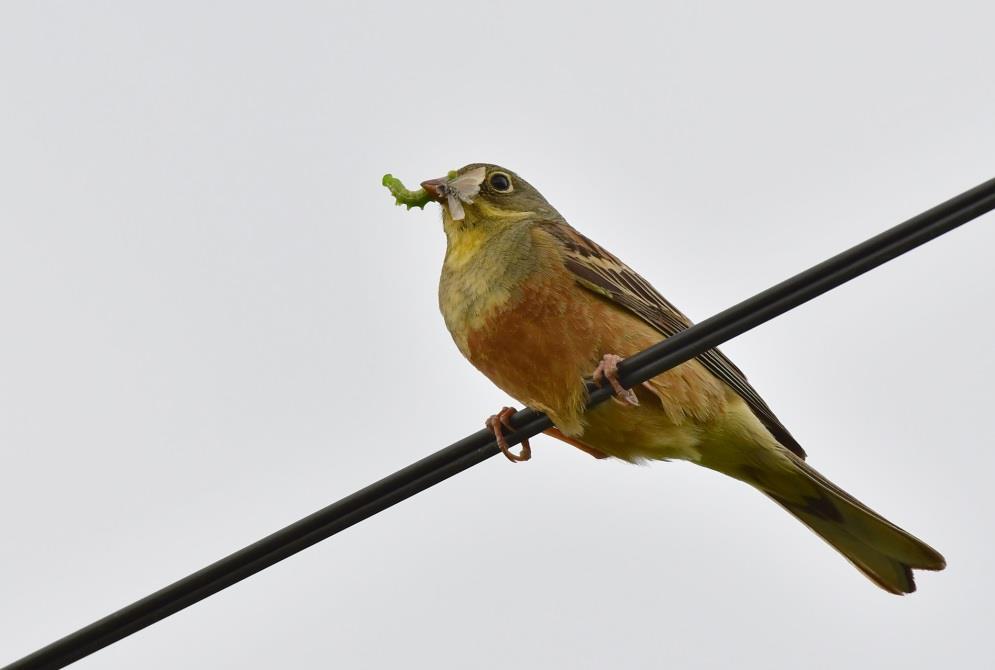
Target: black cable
{"points": [[480, 446]]}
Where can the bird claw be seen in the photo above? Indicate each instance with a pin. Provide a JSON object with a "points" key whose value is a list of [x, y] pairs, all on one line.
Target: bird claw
{"points": [[608, 369], [494, 424]]}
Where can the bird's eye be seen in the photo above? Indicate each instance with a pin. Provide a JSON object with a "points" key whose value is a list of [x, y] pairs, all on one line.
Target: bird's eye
{"points": [[500, 182]]}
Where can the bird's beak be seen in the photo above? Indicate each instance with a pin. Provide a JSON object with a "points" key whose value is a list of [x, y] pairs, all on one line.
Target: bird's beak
{"points": [[435, 188]]}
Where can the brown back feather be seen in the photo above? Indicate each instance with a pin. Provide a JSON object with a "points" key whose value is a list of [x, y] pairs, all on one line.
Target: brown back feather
{"points": [[599, 271]]}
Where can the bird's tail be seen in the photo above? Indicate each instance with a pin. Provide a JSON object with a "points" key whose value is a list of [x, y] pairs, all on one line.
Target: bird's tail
{"points": [[878, 548]]}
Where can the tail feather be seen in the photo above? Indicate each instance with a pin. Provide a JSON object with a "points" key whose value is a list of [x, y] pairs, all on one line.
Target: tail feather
{"points": [[878, 548]]}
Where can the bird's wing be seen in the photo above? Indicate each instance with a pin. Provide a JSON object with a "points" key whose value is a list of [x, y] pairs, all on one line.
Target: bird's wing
{"points": [[599, 271]]}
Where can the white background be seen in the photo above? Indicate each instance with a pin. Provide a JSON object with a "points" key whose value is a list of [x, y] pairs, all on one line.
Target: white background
{"points": [[214, 322]]}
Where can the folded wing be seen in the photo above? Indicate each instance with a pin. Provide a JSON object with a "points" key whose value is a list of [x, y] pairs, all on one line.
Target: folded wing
{"points": [[599, 271]]}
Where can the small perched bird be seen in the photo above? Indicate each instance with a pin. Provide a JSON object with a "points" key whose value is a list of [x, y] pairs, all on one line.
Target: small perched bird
{"points": [[538, 308]]}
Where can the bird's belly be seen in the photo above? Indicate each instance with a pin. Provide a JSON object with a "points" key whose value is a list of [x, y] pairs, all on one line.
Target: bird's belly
{"points": [[540, 349], [641, 433]]}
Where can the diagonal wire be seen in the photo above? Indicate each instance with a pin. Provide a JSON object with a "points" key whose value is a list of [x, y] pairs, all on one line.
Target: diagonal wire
{"points": [[480, 446]]}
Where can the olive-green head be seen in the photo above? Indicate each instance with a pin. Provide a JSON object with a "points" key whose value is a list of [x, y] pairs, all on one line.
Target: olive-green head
{"points": [[481, 192]]}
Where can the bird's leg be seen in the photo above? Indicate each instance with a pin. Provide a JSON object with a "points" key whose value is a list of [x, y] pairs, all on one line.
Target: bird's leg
{"points": [[495, 423], [608, 369]]}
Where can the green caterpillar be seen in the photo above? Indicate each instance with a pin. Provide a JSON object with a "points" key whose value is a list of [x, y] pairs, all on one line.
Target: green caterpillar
{"points": [[403, 196]]}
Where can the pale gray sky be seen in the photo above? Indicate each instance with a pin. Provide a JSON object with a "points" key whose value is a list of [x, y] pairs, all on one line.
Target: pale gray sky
{"points": [[215, 322]]}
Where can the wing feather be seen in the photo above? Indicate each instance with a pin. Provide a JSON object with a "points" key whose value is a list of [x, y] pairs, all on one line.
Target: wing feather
{"points": [[599, 271]]}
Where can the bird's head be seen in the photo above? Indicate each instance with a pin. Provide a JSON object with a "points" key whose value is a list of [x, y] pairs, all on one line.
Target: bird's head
{"points": [[482, 194]]}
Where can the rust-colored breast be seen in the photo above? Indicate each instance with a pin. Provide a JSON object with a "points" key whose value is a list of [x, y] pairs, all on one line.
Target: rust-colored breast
{"points": [[539, 346]]}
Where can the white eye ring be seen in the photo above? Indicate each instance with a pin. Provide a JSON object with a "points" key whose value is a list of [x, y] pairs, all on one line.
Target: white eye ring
{"points": [[508, 187]]}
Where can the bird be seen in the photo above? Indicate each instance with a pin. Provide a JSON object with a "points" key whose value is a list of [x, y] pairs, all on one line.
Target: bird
{"points": [[540, 309]]}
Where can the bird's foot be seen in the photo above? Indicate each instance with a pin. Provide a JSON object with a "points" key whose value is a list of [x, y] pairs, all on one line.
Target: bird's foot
{"points": [[608, 369], [496, 423]]}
